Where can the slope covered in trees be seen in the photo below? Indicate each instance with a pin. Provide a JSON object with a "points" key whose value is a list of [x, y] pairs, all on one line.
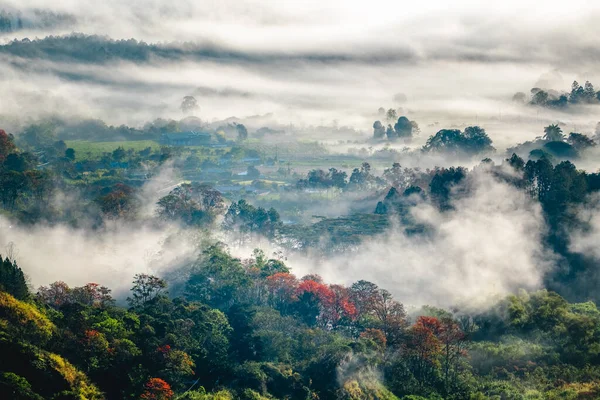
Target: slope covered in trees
{"points": [[251, 329]]}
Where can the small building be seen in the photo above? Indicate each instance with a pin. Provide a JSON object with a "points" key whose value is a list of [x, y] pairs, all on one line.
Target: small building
{"points": [[189, 138]]}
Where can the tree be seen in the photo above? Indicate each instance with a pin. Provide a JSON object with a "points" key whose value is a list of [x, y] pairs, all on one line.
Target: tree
{"points": [[339, 310], [391, 316], [577, 93], [283, 288], [361, 178], [18, 162], [476, 140], [580, 142], [189, 104], [338, 178], [540, 98], [363, 294], [120, 202], [538, 175], [119, 154], [241, 131], [252, 172], [217, 279], [157, 389], [92, 295], [7, 145], [194, 204], [442, 183], [378, 130], [247, 220], [70, 154], [553, 133], [55, 295], [390, 133], [446, 140], [516, 162], [13, 183], [12, 279], [425, 348], [39, 135], [146, 288], [314, 298], [403, 128], [453, 341], [391, 115]]}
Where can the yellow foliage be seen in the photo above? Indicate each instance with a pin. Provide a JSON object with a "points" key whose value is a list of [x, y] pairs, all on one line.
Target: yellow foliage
{"points": [[23, 319], [576, 391], [222, 395], [364, 389], [353, 391], [77, 380]]}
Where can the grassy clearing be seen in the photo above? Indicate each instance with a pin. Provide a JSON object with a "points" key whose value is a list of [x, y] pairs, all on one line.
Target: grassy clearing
{"points": [[94, 150]]}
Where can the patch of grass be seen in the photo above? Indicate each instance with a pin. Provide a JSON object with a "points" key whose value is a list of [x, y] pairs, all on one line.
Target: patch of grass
{"points": [[85, 150]]}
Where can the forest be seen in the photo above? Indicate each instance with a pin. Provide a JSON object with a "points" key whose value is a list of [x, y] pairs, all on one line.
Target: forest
{"points": [[248, 327], [253, 200]]}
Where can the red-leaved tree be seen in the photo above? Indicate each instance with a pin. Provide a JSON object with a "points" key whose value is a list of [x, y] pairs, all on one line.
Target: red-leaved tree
{"points": [[157, 389]]}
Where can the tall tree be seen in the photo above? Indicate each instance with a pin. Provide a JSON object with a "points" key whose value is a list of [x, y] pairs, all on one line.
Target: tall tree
{"points": [[189, 104], [553, 133], [145, 289], [12, 279]]}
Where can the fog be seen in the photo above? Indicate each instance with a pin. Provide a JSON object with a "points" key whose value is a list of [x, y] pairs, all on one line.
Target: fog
{"points": [[109, 256], [490, 245], [312, 63], [317, 63]]}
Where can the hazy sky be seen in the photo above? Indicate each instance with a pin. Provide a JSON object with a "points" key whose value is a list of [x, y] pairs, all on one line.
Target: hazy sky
{"points": [[313, 62]]}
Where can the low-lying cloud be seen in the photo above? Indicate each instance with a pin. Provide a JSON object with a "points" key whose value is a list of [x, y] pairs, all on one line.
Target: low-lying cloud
{"points": [[490, 245]]}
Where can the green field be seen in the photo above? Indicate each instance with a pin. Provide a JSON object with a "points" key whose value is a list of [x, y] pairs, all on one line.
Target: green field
{"points": [[94, 150]]}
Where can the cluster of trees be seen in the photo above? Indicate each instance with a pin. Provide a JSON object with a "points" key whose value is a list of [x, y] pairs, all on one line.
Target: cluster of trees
{"points": [[554, 144], [9, 23], [192, 203], [320, 179], [36, 18], [361, 179], [42, 167], [585, 94], [250, 329], [23, 186], [559, 187], [472, 141], [402, 129], [246, 221], [42, 133]]}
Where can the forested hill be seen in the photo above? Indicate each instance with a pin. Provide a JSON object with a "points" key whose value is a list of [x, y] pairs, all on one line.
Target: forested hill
{"points": [[250, 329], [95, 49]]}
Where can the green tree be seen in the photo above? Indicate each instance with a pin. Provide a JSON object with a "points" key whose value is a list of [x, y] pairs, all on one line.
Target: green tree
{"points": [[70, 154], [146, 288], [580, 141], [12, 279], [217, 279], [378, 130], [403, 128], [553, 133], [194, 204], [241, 131]]}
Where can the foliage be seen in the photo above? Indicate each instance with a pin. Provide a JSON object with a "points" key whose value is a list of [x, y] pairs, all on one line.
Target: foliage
{"points": [[193, 204], [23, 319], [472, 141], [12, 279]]}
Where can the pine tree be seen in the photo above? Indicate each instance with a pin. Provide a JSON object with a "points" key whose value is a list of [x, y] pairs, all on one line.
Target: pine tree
{"points": [[12, 279]]}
